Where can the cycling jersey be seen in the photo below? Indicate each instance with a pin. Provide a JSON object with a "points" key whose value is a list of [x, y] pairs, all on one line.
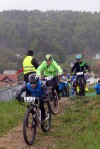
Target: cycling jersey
{"points": [[49, 70], [78, 67]]}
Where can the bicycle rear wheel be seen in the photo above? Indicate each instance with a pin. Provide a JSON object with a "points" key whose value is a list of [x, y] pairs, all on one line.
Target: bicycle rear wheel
{"points": [[29, 127], [54, 104], [82, 92], [46, 124]]}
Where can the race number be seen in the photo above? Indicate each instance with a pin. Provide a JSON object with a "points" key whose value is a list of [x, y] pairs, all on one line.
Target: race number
{"points": [[29, 99]]}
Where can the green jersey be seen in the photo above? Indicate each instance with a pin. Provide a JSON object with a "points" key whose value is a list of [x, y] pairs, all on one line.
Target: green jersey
{"points": [[49, 70]]}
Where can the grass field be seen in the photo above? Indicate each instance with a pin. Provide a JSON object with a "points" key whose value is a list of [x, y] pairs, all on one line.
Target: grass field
{"points": [[80, 125], [11, 113], [77, 126]]}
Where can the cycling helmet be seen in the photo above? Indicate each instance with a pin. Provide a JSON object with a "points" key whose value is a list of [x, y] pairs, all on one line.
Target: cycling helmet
{"points": [[33, 78], [78, 56], [48, 57]]}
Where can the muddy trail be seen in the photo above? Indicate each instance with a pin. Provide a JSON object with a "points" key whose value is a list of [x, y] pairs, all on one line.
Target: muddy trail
{"points": [[14, 139]]}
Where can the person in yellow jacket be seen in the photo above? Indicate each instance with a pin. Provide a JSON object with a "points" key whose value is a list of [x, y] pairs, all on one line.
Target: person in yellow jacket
{"points": [[30, 64]]}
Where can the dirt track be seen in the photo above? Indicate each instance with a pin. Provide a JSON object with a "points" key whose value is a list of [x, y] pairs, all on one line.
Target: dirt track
{"points": [[14, 139]]}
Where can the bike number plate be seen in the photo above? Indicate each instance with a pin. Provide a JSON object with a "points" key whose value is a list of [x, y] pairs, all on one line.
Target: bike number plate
{"points": [[29, 99], [79, 73]]}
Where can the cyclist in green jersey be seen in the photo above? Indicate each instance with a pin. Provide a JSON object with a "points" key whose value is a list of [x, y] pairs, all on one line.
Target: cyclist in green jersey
{"points": [[50, 68]]}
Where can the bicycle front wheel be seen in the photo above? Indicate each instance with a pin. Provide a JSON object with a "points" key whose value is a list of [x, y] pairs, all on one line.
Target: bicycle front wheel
{"points": [[29, 127]]}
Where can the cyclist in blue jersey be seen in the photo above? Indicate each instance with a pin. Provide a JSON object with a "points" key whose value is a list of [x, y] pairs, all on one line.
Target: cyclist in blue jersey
{"points": [[37, 89]]}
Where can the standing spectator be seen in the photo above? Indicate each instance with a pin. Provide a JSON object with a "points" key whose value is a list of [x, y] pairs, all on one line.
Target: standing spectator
{"points": [[97, 87], [30, 64]]}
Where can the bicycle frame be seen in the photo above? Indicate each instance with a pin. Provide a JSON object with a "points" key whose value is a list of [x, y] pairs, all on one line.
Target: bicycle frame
{"points": [[53, 97], [33, 105], [32, 118]]}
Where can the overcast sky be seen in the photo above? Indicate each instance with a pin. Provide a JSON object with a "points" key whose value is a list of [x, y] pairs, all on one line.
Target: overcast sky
{"points": [[44, 5]]}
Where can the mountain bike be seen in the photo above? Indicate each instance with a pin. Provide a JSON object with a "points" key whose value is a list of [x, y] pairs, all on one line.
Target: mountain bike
{"points": [[33, 118], [53, 96], [80, 83]]}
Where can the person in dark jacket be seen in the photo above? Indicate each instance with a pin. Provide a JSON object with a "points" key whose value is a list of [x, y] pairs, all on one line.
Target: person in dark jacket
{"points": [[37, 89], [79, 66], [97, 87]]}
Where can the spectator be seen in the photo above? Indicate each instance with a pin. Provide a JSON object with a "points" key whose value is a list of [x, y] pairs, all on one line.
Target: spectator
{"points": [[97, 87]]}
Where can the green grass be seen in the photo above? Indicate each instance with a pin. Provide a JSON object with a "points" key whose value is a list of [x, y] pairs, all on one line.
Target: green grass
{"points": [[77, 127], [80, 127], [11, 113]]}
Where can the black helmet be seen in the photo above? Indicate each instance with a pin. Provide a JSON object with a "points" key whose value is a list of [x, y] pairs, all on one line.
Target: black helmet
{"points": [[33, 78]]}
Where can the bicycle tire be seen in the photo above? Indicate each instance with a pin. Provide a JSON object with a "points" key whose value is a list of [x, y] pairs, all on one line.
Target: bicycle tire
{"points": [[46, 124], [29, 124], [54, 103], [82, 87]]}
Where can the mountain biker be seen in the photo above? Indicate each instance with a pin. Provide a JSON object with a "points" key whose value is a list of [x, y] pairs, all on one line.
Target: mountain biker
{"points": [[97, 87], [37, 89], [79, 66], [50, 68]]}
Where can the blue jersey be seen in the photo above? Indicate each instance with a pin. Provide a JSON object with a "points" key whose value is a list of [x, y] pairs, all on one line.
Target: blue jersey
{"points": [[37, 91], [97, 88]]}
